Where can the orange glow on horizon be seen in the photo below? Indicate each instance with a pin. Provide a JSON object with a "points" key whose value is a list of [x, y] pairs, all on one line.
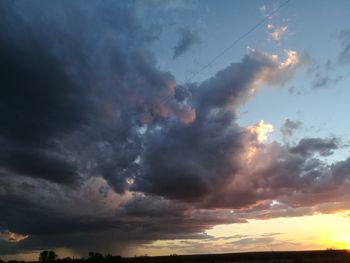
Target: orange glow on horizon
{"points": [[313, 232]]}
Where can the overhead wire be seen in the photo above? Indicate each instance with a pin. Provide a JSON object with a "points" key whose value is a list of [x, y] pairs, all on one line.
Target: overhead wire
{"points": [[237, 40]]}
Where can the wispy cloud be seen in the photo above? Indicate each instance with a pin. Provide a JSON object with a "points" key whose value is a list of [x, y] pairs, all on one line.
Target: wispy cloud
{"points": [[289, 127], [187, 39], [344, 56], [276, 32]]}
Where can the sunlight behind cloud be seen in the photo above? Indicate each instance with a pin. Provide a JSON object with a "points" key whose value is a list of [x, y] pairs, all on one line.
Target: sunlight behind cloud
{"points": [[291, 59], [12, 237], [261, 130], [318, 231]]}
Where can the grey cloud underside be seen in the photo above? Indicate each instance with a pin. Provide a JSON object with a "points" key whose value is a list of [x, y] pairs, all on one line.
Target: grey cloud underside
{"points": [[310, 146], [131, 224], [82, 99]]}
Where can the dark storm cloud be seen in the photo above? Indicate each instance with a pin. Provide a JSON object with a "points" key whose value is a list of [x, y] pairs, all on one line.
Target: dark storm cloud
{"points": [[99, 89], [102, 150], [199, 158], [187, 39], [40, 98], [132, 224], [41, 164], [288, 128], [76, 88], [39, 101], [87, 98], [26, 217], [65, 80], [153, 207]]}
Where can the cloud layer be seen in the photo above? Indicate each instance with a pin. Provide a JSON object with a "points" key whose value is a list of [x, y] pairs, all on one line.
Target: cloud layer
{"points": [[103, 150]]}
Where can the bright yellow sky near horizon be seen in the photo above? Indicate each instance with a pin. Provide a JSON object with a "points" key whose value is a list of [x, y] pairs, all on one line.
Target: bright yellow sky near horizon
{"points": [[320, 231]]}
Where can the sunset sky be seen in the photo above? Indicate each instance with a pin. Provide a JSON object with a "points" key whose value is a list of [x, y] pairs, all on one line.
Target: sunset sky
{"points": [[173, 127]]}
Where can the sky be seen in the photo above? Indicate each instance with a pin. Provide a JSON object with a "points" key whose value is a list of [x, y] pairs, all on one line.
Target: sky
{"points": [[145, 127]]}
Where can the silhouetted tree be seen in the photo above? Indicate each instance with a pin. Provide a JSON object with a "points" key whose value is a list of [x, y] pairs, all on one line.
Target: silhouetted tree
{"points": [[66, 259], [47, 255], [112, 259], [99, 258], [95, 257], [1, 261]]}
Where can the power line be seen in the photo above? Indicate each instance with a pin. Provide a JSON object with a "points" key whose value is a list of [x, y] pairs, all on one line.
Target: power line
{"points": [[251, 30], [256, 26]]}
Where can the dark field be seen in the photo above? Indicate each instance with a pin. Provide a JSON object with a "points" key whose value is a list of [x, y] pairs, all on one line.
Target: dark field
{"points": [[258, 257]]}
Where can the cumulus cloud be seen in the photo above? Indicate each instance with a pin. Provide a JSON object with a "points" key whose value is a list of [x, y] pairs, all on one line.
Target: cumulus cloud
{"points": [[187, 39], [103, 150], [284, 177], [202, 154]]}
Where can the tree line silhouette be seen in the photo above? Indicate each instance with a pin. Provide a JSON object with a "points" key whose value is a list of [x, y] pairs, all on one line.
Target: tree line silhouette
{"points": [[48, 256], [320, 256]]}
